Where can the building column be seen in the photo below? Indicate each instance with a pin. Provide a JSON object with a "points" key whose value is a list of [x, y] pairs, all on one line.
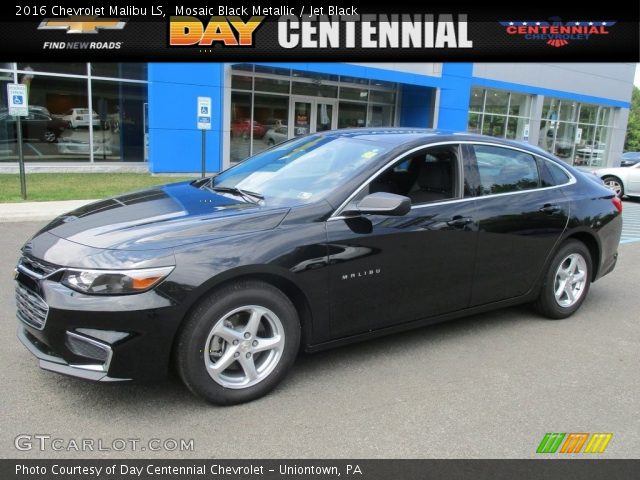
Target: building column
{"points": [[615, 145], [535, 121], [455, 92]]}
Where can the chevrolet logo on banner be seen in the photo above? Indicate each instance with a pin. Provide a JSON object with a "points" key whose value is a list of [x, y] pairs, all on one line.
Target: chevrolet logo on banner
{"points": [[82, 24]]}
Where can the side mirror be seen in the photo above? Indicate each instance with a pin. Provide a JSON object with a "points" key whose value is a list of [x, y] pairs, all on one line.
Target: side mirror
{"points": [[383, 203]]}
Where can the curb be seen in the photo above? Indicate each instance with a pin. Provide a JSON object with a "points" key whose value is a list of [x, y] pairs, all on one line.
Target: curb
{"points": [[38, 211]]}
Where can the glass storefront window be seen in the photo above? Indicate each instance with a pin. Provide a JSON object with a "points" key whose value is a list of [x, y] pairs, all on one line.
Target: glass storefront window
{"points": [[496, 102], [119, 134], [588, 113], [352, 115], [380, 116], [519, 105], [271, 70], [499, 113], [134, 71], [283, 103], [568, 112], [474, 122], [270, 113], [57, 127], [56, 67], [476, 103], [382, 96], [271, 85], [358, 94], [241, 82], [578, 133], [494, 125], [314, 90], [240, 128], [65, 125]]}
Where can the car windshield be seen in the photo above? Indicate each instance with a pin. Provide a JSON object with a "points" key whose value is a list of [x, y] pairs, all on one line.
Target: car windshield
{"points": [[303, 170]]}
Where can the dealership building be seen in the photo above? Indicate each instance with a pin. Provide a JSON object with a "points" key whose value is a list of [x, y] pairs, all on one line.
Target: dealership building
{"points": [[144, 116]]}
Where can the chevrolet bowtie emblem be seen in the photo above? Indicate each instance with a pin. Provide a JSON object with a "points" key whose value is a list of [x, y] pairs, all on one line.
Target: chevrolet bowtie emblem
{"points": [[81, 24]]}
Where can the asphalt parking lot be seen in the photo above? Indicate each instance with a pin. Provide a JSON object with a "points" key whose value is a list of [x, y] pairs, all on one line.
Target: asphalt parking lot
{"points": [[489, 386]]}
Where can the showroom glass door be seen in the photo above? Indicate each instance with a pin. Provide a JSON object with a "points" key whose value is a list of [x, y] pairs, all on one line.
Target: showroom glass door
{"points": [[310, 115], [300, 116]]}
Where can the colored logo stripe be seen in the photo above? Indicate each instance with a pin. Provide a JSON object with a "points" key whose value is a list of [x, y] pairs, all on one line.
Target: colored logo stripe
{"points": [[598, 442], [550, 443], [574, 443]]}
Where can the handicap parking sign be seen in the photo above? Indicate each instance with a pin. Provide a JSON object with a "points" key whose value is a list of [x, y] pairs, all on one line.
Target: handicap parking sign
{"points": [[204, 113], [17, 100]]}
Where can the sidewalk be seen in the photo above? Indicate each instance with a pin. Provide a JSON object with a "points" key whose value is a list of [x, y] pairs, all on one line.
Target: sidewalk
{"points": [[37, 211]]}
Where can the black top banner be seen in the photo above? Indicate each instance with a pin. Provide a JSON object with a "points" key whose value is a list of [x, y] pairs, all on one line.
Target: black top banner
{"points": [[318, 31]]}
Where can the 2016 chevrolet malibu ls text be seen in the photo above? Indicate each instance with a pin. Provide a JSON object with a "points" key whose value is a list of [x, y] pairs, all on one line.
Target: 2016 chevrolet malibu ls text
{"points": [[320, 241]]}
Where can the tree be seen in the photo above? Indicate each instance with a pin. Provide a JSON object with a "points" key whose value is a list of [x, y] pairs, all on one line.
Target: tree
{"points": [[632, 142]]}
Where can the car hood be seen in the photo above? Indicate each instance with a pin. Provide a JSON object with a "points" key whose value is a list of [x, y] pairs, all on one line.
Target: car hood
{"points": [[162, 217]]}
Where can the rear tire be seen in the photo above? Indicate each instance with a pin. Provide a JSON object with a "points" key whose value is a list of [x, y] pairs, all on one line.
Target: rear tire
{"points": [[566, 282], [238, 343]]}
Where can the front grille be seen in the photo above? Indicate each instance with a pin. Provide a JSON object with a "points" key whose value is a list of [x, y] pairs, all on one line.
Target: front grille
{"points": [[32, 309], [39, 267]]}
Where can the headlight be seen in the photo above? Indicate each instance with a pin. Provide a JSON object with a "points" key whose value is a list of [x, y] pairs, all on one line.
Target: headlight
{"points": [[114, 282]]}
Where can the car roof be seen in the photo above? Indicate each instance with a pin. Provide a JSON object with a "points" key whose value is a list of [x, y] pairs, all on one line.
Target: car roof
{"points": [[409, 137]]}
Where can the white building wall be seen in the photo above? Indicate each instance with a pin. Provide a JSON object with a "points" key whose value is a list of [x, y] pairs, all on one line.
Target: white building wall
{"points": [[429, 69], [608, 80]]}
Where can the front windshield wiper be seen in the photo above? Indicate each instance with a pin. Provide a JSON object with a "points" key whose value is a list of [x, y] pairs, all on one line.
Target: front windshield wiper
{"points": [[248, 196]]}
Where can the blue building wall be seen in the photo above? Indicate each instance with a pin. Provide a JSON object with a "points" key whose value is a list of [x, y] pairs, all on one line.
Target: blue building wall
{"points": [[415, 106], [455, 92], [174, 140]]}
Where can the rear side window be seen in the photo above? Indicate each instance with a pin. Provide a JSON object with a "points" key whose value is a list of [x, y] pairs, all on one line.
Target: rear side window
{"points": [[504, 170], [551, 174]]}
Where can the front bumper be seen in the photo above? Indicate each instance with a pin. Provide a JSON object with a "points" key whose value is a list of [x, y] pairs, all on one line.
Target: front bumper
{"points": [[49, 361], [105, 339]]}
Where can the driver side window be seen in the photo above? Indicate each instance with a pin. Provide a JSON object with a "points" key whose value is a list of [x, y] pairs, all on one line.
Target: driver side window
{"points": [[427, 176]]}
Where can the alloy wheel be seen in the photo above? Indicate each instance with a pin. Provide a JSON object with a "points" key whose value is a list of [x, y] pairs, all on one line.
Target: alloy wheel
{"points": [[570, 280], [49, 136], [244, 347], [614, 185]]}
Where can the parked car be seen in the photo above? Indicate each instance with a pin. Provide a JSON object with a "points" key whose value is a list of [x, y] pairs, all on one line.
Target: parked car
{"points": [[80, 117], [318, 242], [629, 159], [38, 125], [276, 135], [241, 128], [622, 180]]}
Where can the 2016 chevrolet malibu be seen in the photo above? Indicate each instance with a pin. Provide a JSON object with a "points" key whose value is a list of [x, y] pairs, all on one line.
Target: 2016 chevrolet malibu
{"points": [[320, 241]]}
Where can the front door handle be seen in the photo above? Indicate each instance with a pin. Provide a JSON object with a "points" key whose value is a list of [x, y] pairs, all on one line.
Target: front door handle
{"points": [[549, 209], [459, 221]]}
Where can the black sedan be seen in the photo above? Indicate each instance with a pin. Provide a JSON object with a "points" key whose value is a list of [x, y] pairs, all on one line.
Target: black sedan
{"points": [[39, 125], [320, 241]]}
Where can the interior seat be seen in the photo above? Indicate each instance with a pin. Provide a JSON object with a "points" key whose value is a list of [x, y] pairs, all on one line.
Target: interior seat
{"points": [[434, 182]]}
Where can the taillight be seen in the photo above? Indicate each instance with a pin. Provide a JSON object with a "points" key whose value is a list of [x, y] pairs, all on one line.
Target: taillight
{"points": [[617, 203]]}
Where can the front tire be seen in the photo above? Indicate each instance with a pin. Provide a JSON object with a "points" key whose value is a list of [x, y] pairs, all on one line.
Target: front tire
{"points": [[238, 343], [566, 282], [615, 184]]}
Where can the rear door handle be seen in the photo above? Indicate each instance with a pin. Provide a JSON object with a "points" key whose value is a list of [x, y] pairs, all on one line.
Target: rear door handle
{"points": [[550, 209], [459, 221]]}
